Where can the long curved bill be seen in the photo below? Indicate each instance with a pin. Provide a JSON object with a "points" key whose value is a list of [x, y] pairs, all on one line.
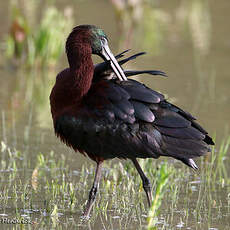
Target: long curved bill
{"points": [[108, 56]]}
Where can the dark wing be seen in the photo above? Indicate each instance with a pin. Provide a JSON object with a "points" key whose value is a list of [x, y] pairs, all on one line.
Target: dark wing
{"points": [[127, 119]]}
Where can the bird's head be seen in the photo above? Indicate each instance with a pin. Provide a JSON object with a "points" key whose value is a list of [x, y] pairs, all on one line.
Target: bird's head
{"points": [[91, 36]]}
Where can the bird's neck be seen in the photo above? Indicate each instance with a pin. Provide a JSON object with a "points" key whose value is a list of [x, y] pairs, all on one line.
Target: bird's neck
{"points": [[81, 68]]}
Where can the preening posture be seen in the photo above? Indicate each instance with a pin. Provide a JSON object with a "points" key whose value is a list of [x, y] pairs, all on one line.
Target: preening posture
{"points": [[97, 111]]}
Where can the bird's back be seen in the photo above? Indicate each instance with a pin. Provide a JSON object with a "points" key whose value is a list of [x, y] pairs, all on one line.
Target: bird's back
{"points": [[126, 119]]}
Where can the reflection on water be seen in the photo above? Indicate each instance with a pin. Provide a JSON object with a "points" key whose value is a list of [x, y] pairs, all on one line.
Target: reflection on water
{"points": [[186, 39]]}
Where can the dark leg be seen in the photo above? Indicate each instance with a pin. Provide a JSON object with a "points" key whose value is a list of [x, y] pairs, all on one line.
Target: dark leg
{"points": [[93, 191], [145, 181]]}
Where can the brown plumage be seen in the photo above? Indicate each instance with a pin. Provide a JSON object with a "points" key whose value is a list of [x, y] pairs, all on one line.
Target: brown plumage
{"points": [[96, 110]]}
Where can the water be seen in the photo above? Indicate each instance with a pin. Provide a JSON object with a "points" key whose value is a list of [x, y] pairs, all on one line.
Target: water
{"points": [[187, 40]]}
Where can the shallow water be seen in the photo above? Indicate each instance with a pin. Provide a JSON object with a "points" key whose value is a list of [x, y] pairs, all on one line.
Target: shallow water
{"points": [[187, 40]]}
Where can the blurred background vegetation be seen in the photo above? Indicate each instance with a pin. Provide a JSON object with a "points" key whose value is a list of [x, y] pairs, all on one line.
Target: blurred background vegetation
{"points": [[189, 40]]}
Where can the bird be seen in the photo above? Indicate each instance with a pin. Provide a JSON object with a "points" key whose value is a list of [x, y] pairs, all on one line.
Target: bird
{"points": [[98, 111]]}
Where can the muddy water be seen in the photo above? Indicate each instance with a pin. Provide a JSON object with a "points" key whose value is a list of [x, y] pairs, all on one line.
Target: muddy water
{"points": [[189, 40]]}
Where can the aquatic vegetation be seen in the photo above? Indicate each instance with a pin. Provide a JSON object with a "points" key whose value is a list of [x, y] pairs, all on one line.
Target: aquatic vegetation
{"points": [[162, 179], [45, 46], [16, 41], [42, 45], [46, 191]]}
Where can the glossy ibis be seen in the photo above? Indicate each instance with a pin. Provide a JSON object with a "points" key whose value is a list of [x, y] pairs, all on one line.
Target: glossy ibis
{"points": [[97, 111]]}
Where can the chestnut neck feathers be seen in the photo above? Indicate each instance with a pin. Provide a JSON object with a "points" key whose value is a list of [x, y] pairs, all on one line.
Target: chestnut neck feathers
{"points": [[78, 46], [79, 51], [73, 83]]}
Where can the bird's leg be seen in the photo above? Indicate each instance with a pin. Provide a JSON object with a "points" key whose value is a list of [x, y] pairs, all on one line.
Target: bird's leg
{"points": [[93, 191], [145, 181]]}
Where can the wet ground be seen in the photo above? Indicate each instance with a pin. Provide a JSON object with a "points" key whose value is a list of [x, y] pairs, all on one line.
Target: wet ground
{"points": [[187, 40]]}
